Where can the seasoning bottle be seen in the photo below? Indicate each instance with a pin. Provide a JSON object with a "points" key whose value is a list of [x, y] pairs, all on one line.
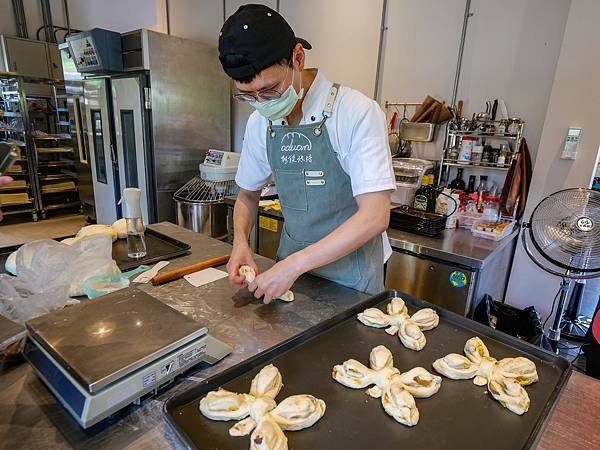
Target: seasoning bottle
{"points": [[420, 200], [458, 184], [471, 185], [136, 242], [503, 154], [481, 191]]}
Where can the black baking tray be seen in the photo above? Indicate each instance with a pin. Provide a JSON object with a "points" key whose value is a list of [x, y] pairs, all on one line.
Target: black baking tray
{"points": [[460, 415], [159, 247]]}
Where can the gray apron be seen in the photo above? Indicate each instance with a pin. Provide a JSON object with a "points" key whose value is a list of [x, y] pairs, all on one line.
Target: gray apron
{"points": [[316, 198]]}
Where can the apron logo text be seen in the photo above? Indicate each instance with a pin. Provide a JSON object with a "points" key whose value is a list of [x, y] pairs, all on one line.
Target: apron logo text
{"points": [[295, 159], [295, 142]]}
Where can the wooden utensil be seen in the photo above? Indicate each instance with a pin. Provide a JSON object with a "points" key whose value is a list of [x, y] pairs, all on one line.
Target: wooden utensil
{"points": [[180, 273]]}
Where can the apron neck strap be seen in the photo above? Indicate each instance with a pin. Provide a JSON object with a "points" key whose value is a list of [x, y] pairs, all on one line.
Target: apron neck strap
{"points": [[327, 111], [333, 92]]}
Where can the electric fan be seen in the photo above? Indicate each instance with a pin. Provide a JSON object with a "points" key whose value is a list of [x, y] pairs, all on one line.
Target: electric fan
{"points": [[564, 229]]}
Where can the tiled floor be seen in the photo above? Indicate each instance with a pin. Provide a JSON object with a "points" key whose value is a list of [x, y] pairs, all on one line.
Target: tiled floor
{"points": [[56, 227]]}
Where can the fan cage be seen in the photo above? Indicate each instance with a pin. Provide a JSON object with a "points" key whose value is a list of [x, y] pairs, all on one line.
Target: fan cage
{"points": [[565, 229]]}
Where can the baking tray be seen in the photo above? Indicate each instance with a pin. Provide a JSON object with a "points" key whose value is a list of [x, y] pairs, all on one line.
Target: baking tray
{"points": [[159, 247], [460, 415]]}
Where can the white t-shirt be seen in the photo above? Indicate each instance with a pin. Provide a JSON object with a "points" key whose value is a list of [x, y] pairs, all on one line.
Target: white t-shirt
{"points": [[358, 133]]}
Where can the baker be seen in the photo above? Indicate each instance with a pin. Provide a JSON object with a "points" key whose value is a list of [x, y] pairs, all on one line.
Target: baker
{"points": [[324, 145]]}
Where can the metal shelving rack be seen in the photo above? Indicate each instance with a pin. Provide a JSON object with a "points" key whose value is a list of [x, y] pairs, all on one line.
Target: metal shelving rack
{"points": [[19, 197], [454, 138], [46, 171]]}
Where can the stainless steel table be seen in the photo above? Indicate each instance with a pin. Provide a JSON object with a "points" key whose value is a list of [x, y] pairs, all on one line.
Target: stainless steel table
{"points": [[31, 418]]}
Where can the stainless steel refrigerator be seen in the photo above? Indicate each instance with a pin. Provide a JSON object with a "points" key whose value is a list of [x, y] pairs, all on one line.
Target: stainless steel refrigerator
{"points": [[145, 107]]}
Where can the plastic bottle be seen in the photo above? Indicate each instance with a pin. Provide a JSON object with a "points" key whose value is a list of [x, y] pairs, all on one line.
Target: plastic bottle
{"points": [[136, 242]]}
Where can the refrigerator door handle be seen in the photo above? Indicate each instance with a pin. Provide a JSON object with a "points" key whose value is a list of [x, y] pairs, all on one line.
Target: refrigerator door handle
{"points": [[113, 156]]}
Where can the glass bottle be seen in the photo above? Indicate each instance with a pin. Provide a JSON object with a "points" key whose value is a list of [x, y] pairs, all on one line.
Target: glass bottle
{"points": [[471, 186], [458, 184], [481, 191], [421, 198]]}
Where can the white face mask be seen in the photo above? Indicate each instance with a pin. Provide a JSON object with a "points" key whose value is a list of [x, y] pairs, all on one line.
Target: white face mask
{"points": [[282, 106]]}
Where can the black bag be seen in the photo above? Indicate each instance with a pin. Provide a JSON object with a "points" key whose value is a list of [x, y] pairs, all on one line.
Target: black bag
{"points": [[524, 324]]}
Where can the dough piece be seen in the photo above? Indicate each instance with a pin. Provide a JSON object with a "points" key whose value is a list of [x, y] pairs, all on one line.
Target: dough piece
{"points": [[521, 369], [399, 404], [250, 275], [397, 307], [426, 319], [120, 227], [420, 383], [268, 435], [69, 241], [257, 409], [380, 357], [224, 405], [266, 382], [484, 373], [11, 263], [455, 367], [373, 317], [92, 230], [298, 412], [510, 394], [411, 335], [353, 374], [475, 350]]}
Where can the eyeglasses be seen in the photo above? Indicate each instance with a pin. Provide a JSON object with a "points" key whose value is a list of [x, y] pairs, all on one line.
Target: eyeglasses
{"points": [[264, 95]]}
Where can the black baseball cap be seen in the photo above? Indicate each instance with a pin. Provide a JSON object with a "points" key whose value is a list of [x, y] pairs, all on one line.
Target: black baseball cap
{"points": [[253, 38]]}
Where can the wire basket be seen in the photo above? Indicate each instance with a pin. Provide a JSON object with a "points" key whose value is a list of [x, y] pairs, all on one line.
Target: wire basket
{"points": [[407, 218]]}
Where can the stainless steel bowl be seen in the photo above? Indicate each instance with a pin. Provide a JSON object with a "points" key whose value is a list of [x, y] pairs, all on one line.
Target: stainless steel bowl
{"points": [[209, 218]]}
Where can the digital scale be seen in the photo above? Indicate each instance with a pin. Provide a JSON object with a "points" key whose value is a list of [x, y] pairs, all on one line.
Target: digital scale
{"points": [[101, 355]]}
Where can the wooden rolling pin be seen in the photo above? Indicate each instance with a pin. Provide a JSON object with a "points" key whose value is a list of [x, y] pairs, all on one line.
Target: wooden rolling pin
{"points": [[180, 273]]}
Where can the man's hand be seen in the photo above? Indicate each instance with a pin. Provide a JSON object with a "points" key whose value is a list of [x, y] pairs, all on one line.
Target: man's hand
{"points": [[276, 281], [3, 182], [240, 256]]}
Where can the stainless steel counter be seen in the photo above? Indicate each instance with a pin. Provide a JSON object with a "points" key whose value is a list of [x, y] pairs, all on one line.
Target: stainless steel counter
{"points": [[30, 417], [457, 246]]}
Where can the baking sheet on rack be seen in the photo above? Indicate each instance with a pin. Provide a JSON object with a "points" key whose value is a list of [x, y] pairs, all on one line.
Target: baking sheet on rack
{"points": [[460, 415]]}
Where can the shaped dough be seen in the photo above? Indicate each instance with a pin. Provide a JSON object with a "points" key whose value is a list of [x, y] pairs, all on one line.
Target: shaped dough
{"points": [[399, 404], [70, 241], [249, 273], [268, 435], [258, 411], [120, 227], [397, 321], [521, 369], [353, 374], [426, 319], [397, 307], [266, 382], [11, 263], [224, 405], [420, 383], [373, 317], [298, 412], [456, 367], [395, 389], [484, 373], [510, 394], [411, 335], [92, 230], [475, 350]]}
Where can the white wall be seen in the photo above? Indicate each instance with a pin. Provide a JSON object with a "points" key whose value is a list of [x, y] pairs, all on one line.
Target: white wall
{"points": [[511, 52], [574, 102], [116, 15]]}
